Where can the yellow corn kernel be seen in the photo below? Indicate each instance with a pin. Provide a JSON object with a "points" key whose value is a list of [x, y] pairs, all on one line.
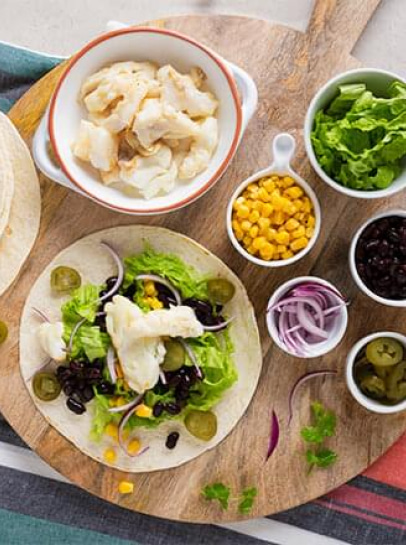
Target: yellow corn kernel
{"points": [[235, 224], [124, 487], [149, 288], [269, 185], [156, 304], [307, 205], [238, 202], [112, 431], [251, 250], [288, 254], [291, 224], [299, 216], [254, 216], [267, 210], [289, 208], [299, 232], [252, 187], [258, 243], [112, 402], [246, 225], [277, 201], [133, 446], [258, 205], [253, 232], [288, 181], [110, 455], [278, 217], [267, 251], [299, 244], [243, 211], [121, 401], [276, 257], [239, 233], [247, 241], [270, 234], [311, 221], [282, 237], [298, 203], [295, 192], [143, 411], [263, 224], [264, 195], [309, 232], [281, 248], [250, 203]]}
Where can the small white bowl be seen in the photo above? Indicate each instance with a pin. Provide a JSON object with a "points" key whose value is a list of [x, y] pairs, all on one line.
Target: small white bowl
{"points": [[336, 334], [353, 267], [356, 393], [283, 148], [227, 81], [376, 81]]}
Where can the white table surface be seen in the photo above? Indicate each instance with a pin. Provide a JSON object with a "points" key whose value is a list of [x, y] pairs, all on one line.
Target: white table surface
{"points": [[60, 26]]}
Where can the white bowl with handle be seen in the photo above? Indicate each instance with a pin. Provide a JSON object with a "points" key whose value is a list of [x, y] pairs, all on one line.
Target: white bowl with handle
{"points": [[233, 87]]}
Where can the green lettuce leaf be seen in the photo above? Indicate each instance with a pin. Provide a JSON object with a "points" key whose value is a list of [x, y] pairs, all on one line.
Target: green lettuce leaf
{"points": [[101, 417], [360, 139], [183, 277], [83, 304]]}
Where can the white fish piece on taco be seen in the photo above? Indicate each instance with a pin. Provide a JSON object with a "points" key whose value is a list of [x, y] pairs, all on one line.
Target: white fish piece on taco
{"points": [[162, 348]]}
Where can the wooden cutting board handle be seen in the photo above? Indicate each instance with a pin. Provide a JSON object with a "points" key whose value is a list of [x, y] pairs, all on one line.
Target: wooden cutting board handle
{"points": [[338, 24]]}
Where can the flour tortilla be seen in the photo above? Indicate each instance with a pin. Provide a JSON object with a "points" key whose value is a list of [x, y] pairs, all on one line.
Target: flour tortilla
{"points": [[95, 265], [21, 221], [6, 183]]}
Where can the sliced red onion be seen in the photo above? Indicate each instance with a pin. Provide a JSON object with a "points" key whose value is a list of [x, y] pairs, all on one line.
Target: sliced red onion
{"points": [[128, 406], [274, 436], [40, 314], [301, 380], [121, 426], [111, 358], [162, 376], [218, 327], [78, 325], [120, 272], [164, 282], [191, 355], [307, 323]]}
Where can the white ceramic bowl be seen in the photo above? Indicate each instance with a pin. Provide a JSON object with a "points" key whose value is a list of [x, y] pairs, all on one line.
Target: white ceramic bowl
{"points": [[336, 333], [160, 46], [356, 393], [353, 267], [283, 148], [376, 81]]}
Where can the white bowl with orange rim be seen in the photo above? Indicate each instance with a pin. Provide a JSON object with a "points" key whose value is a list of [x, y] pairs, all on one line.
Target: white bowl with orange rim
{"points": [[227, 81]]}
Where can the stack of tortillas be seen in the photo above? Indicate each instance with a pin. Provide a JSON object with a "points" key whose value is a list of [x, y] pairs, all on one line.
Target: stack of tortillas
{"points": [[20, 202]]}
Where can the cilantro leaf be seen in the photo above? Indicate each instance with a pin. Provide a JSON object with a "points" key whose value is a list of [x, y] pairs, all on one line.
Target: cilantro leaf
{"points": [[324, 424], [247, 500], [219, 492], [323, 458]]}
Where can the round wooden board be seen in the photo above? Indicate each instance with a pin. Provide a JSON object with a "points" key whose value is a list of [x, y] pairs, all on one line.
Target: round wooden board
{"points": [[287, 66]]}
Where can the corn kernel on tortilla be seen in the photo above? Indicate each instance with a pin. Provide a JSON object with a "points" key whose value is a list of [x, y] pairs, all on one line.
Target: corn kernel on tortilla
{"points": [[95, 265], [22, 224]]}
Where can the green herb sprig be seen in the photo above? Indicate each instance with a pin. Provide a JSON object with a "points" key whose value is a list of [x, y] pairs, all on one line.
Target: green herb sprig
{"points": [[323, 426], [221, 493]]}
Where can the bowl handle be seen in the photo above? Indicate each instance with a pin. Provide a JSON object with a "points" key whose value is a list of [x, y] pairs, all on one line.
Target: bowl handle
{"points": [[40, 152], [249, 93], [283, 148]]}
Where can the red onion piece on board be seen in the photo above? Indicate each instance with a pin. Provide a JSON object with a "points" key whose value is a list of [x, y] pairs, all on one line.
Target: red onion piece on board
{"points": [[274, 436], [301, 380]]}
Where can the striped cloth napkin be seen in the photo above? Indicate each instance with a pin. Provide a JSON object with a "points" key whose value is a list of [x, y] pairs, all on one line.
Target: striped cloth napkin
{"points": [[39, 507]]}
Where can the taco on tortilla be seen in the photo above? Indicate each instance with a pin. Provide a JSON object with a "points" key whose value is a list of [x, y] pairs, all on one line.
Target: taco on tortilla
{"points": [[140, 347]]}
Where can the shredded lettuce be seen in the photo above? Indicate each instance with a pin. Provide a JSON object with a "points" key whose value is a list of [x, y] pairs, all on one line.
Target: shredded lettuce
{"points": [[360, 139], [83, 304], [182, 276]]}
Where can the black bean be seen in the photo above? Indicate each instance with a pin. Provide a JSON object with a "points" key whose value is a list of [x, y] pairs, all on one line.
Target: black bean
{"points": [[77, 365], [63, 373], [105, 388], [75, 406], [130, 291], [69, 387], [157, 409], [172, 408], [172, 439], [87, 394], [110, 282], [92, 373]]}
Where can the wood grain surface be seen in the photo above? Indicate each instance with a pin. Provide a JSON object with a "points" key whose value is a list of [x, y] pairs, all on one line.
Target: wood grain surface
{"points": [[288, 67]]}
